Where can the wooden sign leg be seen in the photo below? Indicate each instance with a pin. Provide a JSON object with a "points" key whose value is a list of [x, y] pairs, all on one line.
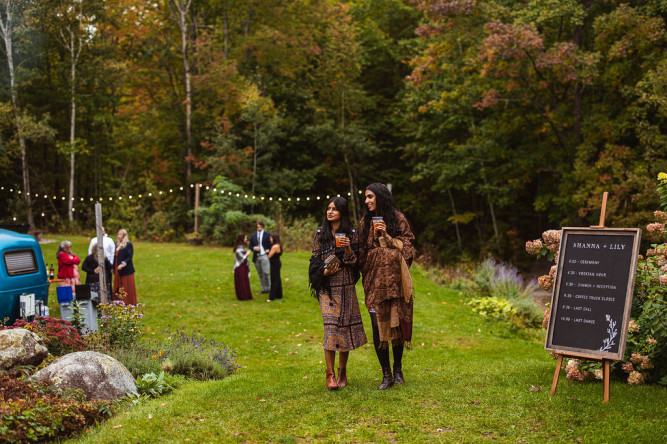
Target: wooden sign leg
{"points": [[605, 375], [559, 364]]}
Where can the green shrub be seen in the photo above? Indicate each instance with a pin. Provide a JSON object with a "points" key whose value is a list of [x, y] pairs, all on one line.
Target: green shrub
{"points": [[196, 357], [156, 385], [223, 218], [138, 360], [298, 234], [33, 412], [120, 324]]}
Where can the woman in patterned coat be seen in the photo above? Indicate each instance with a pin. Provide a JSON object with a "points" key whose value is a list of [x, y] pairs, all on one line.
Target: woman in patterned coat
{"points": [[333, 272], [385, 255]]}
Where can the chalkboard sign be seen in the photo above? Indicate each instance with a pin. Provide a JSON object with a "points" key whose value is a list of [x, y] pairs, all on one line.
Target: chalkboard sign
{"points": [[592, 296]]}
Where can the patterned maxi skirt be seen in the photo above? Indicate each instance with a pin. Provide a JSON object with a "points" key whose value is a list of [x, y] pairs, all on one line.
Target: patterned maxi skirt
{"points": [[343, 326]]}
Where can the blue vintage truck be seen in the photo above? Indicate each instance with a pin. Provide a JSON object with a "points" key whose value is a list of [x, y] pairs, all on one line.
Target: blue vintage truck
{"points": [[24, 282]]}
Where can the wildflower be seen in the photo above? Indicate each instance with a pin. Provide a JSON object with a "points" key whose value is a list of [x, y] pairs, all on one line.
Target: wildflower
{"points": [[662, 176], [656, 226], [627, 367], [633, 327], [651, 341], [636, 358], [635, 378], [534, 247]]}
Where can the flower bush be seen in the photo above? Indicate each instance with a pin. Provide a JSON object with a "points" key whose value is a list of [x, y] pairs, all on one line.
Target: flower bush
{"points": [[194, 356], [59, 336], [35, 412], [646, 344], [501, 294], [120, 324]]}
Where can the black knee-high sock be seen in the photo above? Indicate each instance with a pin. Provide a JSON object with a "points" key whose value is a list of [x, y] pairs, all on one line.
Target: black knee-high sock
{"points": [[382, 353], [397, 351]]}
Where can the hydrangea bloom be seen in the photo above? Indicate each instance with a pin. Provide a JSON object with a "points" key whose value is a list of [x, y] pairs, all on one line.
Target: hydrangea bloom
{"points": [[534, 247], [651, 341], [627, 367], [646, 364], [636, 358], [551, 237], [635, 378], [633, 327], [656, 226]]}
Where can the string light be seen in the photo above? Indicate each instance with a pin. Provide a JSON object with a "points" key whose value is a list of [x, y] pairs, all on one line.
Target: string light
{"points": [[239, 195]]}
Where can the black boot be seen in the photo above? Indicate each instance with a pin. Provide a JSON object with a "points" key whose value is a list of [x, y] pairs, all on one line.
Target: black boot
{"points": [[398, 375], [398, 359], [387, 380]]}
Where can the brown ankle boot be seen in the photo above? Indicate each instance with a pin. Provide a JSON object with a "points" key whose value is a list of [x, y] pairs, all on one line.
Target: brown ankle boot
{"points": [[342, 377], [331, 380]]}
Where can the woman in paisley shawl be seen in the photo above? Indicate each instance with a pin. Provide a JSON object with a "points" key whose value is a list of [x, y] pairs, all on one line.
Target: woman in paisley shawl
{"points": [[333, 272], [385, 254]]}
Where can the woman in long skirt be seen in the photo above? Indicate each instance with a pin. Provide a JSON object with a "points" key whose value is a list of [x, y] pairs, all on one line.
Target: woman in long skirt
{"points": [[385, 254], [332, 273], [241, 268], [124, 270]]}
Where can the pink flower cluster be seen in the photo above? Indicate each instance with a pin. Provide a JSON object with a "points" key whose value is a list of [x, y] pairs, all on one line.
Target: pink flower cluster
{"points": [[534, 247], [636, 358], [633, 327], [663, 279], [552, 238], [655, 227], [627, 367], [650, 341], [660, 215]]}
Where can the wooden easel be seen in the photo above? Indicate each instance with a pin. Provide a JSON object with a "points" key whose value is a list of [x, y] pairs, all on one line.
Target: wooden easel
{"points": [[605, 362], [605, 372]]}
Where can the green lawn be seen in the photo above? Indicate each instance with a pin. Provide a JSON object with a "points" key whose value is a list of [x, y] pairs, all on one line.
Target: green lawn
{"points": [[464, 382]]}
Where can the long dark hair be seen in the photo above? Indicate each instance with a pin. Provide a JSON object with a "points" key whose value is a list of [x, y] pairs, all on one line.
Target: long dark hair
{"points": [[276, 240], [238, 241], [326, 237], [385, 206]]}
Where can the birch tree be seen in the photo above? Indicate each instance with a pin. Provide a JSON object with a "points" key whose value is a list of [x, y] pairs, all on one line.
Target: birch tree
{"points": [[9, 16], [75, 31]]}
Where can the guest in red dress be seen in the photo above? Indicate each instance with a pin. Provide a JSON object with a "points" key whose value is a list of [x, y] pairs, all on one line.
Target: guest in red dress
{"points": [[68, 266], [124, 269]]}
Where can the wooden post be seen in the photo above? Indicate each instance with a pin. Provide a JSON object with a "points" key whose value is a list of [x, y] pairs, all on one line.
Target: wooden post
{"points": [[100, 254], [603, 211], [605, 375], [197, 186], [556, 374]]}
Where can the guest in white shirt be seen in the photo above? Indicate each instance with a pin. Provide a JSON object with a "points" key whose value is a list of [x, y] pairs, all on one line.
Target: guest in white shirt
{"points": [[108, 246]]}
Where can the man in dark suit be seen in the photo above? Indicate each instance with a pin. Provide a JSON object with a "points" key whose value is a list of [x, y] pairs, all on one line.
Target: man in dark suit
{"points": [[260, 245]]}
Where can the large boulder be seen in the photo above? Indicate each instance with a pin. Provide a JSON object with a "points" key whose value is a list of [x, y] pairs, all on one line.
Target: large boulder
{"points": [[19, 346], [99, 376]]}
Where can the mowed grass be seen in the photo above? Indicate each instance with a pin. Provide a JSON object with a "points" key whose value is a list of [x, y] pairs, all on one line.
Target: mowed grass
{"points": [[466, 380]]}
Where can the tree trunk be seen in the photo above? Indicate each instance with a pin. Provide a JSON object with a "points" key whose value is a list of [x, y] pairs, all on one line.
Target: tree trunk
{"points": [[456, 222], [180, 9], [6, 30], [225, 30], [493, 220], [72, 132], [254, 164]]}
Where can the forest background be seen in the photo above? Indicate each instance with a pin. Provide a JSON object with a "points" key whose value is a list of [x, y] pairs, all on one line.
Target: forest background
{"points": [[492, 120]]}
